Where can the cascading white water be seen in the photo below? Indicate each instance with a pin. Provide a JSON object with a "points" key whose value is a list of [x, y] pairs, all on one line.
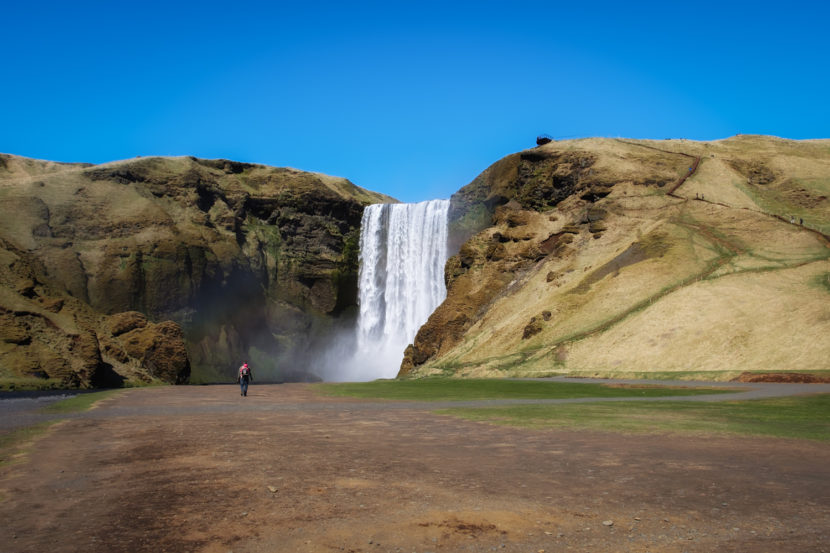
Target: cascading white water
{"points": [[403, 249]]}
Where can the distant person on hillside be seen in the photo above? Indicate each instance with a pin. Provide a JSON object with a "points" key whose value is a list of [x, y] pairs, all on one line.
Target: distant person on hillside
{"points": [[244, 377]]}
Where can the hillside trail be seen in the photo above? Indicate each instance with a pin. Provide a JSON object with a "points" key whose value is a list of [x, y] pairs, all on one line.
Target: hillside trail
{"points": [[696, 160], [824, 237], [200, 469], [692, 168]]}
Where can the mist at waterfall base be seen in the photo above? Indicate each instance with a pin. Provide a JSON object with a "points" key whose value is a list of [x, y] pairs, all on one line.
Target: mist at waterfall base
{"points": [[403, 250]]}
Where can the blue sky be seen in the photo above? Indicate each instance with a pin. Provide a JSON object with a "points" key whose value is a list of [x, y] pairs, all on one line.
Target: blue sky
{"points": [[412, 99]]}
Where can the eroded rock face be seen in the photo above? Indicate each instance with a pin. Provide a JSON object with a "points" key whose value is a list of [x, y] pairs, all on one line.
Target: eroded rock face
{"points": [[158, 348], [243, 261], [66, 343]]}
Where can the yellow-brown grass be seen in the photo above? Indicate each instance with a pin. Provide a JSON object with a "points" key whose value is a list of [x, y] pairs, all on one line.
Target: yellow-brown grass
{"points": [[715, 281]]}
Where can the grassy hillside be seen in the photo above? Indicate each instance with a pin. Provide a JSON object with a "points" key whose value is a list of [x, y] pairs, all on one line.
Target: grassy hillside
{"points": [[628, 274]]}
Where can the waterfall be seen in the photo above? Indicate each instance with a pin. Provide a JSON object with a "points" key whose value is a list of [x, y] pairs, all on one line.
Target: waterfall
{"points": [[403, 249]]}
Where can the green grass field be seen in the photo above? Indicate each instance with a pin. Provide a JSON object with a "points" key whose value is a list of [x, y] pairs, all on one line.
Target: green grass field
{"points": [[715, 376], [80, 402], [15, 442], [462, 389], [805, 417], [17, 383]]}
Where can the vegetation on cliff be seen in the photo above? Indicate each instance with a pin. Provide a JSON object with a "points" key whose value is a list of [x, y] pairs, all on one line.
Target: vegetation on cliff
{"points": [[155, 268], [635, 257]]}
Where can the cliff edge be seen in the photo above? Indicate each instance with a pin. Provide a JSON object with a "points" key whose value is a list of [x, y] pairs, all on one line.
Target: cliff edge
{"points": [[170, 269]]}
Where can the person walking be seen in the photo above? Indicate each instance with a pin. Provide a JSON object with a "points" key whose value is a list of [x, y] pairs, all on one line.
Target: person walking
{"points": [[244, 377]]}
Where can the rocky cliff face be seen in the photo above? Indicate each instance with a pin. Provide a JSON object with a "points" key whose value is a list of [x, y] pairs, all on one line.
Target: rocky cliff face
{"points": [[604, 256], [146, 267]]}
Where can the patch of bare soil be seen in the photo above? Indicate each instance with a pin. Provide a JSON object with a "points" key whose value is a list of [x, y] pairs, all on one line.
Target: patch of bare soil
{"points": [[796, 378], [805, 198], [200, 469]]}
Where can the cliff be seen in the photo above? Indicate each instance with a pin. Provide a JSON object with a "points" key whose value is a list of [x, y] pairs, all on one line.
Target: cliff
{"points": [[147, 269], [638, 258]]}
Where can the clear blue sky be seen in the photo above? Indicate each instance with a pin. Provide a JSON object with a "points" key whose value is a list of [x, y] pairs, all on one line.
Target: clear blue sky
{"points": [[413, 99]]}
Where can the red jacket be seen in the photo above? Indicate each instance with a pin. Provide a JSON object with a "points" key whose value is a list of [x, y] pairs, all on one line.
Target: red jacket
{"points": [[249, 375]]}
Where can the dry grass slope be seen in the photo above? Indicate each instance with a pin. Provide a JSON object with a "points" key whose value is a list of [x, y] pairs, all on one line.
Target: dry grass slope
{"points": [[726, 275]]}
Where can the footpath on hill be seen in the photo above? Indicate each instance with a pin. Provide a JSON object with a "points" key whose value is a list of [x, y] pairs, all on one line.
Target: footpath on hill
{"points": [[200, 469]]}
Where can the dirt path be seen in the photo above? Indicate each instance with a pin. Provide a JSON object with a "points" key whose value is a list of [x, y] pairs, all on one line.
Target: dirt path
{"points": [[189, 469], [679, 182]]}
